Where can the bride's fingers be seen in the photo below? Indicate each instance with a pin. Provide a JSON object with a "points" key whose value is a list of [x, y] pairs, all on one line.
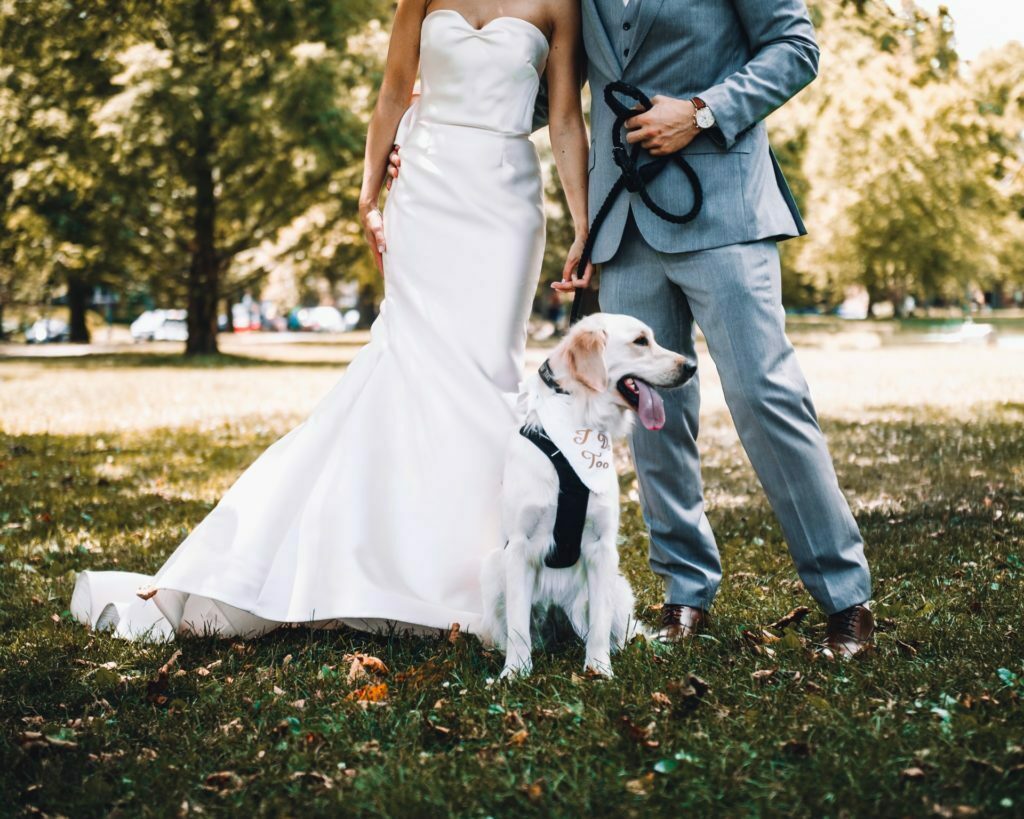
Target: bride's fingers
{"points": [[375, 223], [566, 285], [584, 281]]}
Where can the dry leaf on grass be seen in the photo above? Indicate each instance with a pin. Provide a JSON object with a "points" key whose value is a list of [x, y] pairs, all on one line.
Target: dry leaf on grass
{"points": [[913, 774], [223, 783], [362, 665], [644, 735], [794, 618], [759, 636], [314, 779], [688, 693], [519, 737], [30, 740], [374, 694], [534, 790], [764, 675], [641, 786], [950, 811]]}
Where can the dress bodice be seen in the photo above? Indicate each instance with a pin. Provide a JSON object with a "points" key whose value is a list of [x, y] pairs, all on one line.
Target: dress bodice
{"points": [[484, 78]]}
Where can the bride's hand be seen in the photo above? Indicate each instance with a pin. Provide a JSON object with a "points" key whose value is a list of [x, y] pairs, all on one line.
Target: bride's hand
{"points": [[373, 230], [568, 284]]}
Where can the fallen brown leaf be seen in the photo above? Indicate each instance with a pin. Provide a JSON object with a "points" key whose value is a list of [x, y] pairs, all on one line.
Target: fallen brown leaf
{"points": [[313, 778], [763, 675], [794, 618], [224, 782], [641, 786], [950, 811], [519, 737], [640, 735], [534, 790], [376, 694]]}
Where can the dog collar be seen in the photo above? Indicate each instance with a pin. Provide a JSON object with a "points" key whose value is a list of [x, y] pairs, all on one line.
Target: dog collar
{"points": [[547, 375]]}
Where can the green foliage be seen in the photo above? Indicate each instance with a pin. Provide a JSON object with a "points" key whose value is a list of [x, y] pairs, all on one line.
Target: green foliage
{"points": [[900, 159], [59, 209], [174, 142]]}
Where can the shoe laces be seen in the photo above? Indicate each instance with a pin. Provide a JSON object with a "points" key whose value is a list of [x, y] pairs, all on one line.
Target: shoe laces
{"points": [[672, 615], [846, 621]]}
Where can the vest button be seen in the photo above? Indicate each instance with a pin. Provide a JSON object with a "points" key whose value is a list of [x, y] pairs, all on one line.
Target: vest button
{"points": [[625, 53], [626, 26]]}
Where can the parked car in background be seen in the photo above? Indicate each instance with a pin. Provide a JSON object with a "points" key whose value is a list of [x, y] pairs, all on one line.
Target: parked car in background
{"points": [[323, 319], [161, 325], [46, 331]]}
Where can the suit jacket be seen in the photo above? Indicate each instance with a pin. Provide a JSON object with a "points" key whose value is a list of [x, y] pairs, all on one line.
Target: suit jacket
{"points": [[744, 58]]}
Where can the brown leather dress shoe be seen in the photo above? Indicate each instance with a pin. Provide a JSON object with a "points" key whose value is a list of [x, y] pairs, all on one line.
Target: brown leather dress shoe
{"points": [[850, 632], [679, 623]]}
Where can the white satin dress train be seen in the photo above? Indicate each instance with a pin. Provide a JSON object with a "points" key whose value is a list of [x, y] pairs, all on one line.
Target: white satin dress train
{"points": [[379, 508]]}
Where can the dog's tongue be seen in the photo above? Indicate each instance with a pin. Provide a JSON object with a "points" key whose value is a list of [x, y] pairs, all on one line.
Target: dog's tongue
{"points": [[652, 408]]}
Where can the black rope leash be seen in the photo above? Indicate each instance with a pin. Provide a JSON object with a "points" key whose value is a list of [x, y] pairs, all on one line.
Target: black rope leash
{"points": [[634, 177]]}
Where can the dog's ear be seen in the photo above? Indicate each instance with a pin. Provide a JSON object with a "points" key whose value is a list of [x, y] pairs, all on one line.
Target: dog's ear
{"points": [[584, 354]]}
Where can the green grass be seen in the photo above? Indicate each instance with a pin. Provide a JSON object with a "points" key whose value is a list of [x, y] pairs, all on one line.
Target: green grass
{"points": [[928, 725]]}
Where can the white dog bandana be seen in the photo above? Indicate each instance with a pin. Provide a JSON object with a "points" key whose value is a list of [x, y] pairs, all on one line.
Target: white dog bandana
{"points": [[588, 451]]}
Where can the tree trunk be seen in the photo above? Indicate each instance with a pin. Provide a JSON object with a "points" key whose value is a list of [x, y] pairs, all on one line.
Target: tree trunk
{"points": [[203, 279], [3, 333], [204, 274], [78, 304], [205, 269]]}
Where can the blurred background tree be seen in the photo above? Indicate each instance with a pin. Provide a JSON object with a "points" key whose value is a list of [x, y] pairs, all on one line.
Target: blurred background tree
{"points": [[192, 151], [894, 155]]}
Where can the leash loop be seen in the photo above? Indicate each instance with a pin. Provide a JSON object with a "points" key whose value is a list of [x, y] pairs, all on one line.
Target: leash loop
{"points": [[634, 177]]}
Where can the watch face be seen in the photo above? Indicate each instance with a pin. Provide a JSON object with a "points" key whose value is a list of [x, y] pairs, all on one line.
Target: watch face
{"points": [[705, 119]]}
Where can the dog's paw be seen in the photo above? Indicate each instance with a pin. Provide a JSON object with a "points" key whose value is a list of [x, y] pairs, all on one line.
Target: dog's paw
{"points": [[516, 671], [598, 667]]}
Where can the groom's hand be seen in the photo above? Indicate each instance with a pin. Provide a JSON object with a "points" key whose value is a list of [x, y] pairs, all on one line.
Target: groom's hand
{"points": [[668, 127]]}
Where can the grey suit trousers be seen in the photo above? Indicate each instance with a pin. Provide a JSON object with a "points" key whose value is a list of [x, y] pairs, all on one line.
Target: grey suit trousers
{"points": [[733, 293]]}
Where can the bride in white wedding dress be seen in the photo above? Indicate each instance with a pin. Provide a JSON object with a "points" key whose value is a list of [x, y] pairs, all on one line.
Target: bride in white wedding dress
{"points": [[380, 507]]}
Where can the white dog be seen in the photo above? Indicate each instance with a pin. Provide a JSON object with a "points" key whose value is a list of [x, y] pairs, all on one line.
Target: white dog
{"points": [[560, 504]]}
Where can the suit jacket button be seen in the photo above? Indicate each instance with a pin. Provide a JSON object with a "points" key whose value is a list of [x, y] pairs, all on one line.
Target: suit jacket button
{"points": [[625, 53]]}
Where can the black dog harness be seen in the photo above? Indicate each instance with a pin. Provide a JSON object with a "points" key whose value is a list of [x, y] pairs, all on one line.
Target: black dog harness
{"points": [[573, 494], [634, 177]]}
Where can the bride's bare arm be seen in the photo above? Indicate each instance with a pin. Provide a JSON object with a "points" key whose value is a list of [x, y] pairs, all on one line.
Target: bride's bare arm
{"points": [[568, 130], [395, 93]]}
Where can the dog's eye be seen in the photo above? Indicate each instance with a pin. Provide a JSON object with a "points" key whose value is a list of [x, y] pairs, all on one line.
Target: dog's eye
{"points": [[641, 341]]}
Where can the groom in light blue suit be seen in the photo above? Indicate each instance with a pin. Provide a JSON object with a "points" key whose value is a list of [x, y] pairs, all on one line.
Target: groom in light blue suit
{"points": [[714, 70]]}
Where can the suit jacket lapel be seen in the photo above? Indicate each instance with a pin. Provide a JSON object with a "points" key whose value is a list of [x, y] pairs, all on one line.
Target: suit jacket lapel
{"points": [[645, 19], [596, 39]]}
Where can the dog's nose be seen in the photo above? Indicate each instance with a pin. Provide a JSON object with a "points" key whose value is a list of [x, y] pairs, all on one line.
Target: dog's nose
{"points": [[687, 371]]}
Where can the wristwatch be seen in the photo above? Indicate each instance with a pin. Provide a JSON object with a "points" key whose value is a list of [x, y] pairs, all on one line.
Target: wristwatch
{"points": [[702, 116]]}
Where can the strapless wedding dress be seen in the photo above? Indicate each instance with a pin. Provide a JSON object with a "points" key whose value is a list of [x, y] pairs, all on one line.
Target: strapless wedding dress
{"points": [[380, 507]]}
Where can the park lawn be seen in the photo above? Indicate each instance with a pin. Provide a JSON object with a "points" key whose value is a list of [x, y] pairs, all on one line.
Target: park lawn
{"points": [[738, 723]]}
